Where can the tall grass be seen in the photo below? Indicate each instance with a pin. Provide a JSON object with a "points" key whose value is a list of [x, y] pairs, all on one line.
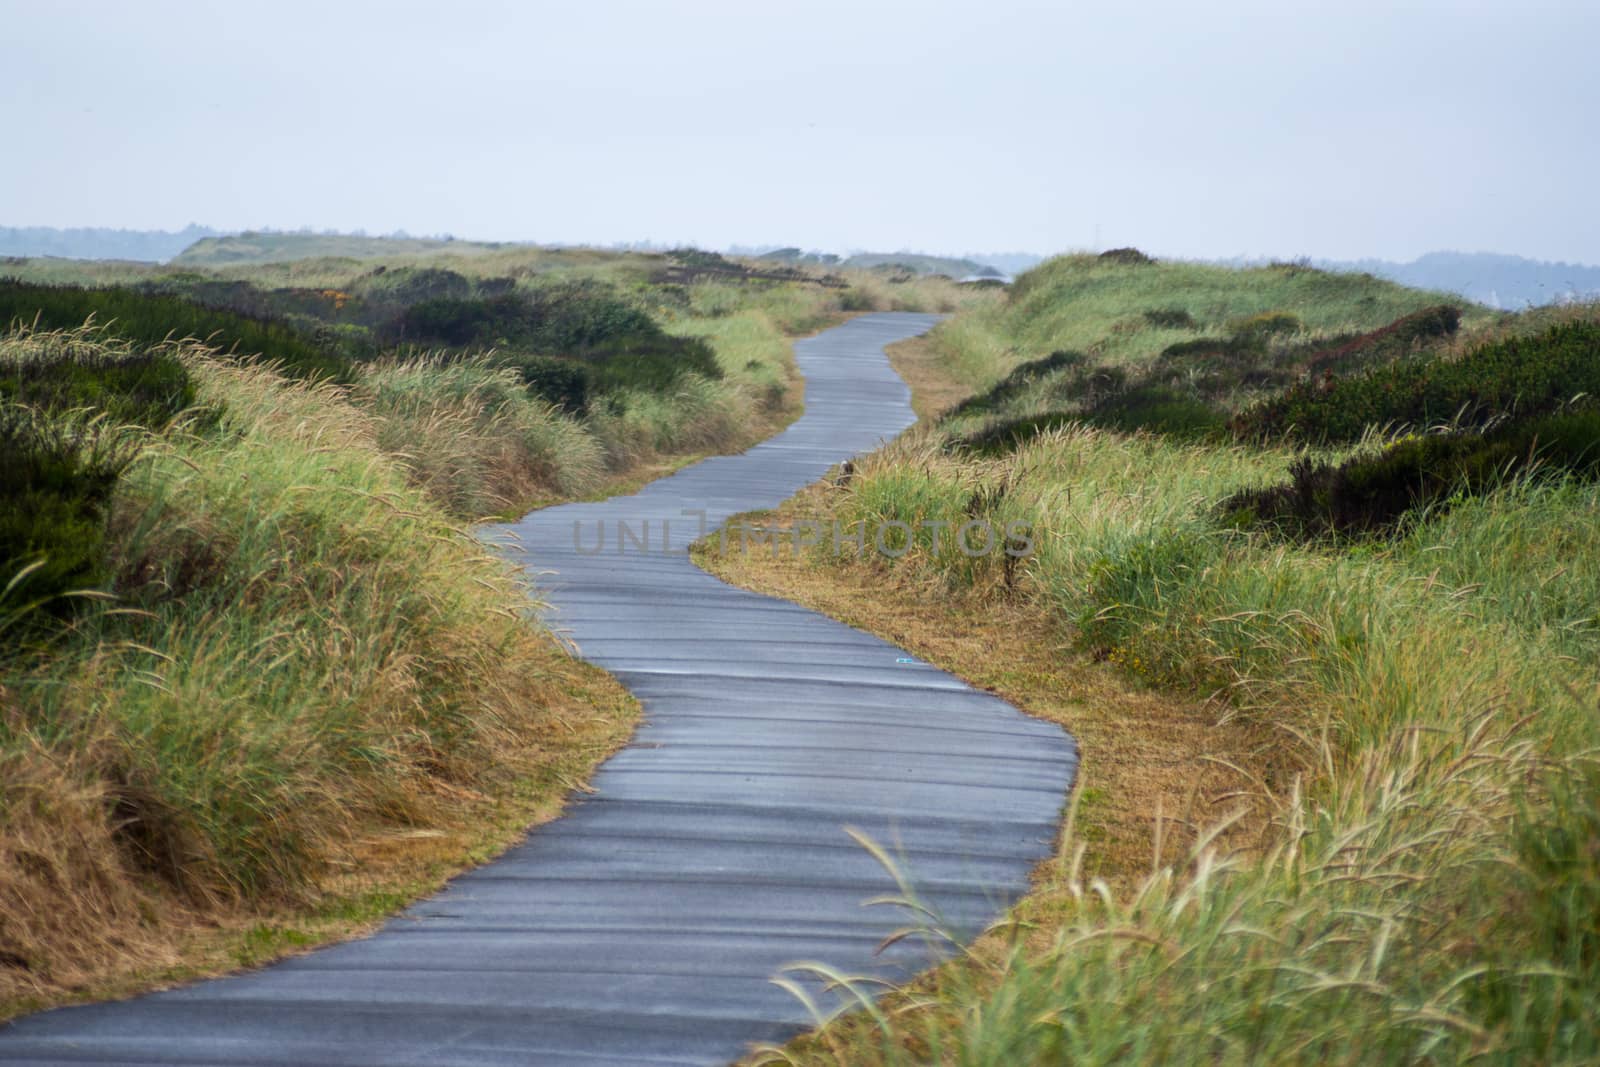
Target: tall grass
{"points": [[302, 646], [1098, 307], [1428, 885], [1434, 708], [473, 437]]}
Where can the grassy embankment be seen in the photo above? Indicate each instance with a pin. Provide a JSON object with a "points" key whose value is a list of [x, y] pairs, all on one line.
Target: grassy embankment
{"points": [[1339, 800], [260, 686]]}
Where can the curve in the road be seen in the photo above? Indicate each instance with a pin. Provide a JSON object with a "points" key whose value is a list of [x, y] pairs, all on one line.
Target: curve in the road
{"points": [[644, 925]]}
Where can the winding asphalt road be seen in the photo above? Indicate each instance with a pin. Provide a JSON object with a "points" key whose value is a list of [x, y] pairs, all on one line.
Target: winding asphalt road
{"points": [[644, 926]]}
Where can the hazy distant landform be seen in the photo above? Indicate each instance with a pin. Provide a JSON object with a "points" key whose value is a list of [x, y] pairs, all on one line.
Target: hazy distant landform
{"points": [[97, 242], [1498, 281], [1489, 278]]}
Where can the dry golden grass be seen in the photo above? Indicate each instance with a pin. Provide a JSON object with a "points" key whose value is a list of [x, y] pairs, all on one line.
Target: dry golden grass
{"points": [[933, 390], [1156, 770], [1153, 765], [315, 700], [71, 895]]}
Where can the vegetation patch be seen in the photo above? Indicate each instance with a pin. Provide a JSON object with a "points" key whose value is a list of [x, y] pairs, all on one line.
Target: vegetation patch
{"points": [[151, 318], [1423, 888], [1524, 375], [1373, 493], [1128, 257]]}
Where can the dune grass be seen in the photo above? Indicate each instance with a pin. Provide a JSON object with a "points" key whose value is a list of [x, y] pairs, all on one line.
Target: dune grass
{"points": [[296, 651], [1428, 883], [1123, 312], [294, 692]]}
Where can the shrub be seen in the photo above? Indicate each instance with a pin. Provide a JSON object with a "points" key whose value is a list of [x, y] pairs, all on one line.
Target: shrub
{"points": [[562, 382], [1013, 384], [1372, 493], [413, 285], [64, 371], [150, 318], [1263, 327], [1202, 346], [856, 299], [55, 491], [1156, 409], [651, 363], [619, 346], [1525, 375], [1127, 256], [1170, 319], [1395, 339]]}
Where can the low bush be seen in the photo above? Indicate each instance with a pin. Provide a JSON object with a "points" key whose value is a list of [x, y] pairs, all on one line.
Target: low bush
{"points": [[63, 371], [55, 492], [1523, 375], [150, 318], [1146, 408], [1014, 384], [1373, 493], [1206, 347], [619, 346], [566, 383], [1264, 326], [1395, 339], [1170, 319]]}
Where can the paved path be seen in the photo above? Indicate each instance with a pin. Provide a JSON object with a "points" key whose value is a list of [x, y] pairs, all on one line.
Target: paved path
{"points": [[643, 927]]}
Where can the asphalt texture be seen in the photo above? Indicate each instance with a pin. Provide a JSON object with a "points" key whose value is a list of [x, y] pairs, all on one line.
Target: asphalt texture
{"points": [[645, 926]]}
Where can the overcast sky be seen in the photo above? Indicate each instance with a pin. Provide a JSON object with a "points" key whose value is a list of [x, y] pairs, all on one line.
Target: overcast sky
{"points": [[1200, 129]]}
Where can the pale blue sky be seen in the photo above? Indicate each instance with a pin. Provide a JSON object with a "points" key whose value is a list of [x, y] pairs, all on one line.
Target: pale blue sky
{"points": [[1196, 129]]}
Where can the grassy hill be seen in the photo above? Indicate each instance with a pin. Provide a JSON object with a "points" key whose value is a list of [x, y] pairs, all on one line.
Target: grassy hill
{"points": [[888, 262], [1355, 634], [276, 247], [99, 242]]}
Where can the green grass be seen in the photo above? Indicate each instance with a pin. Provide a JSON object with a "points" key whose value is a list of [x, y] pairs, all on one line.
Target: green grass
{"points": [[1518, 375], [1079, 303], [640, 368], [1427, 888], [151, 319], [298, 645], [254, 661]]}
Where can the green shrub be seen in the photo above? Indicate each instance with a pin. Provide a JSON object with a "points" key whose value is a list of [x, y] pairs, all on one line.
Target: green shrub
{"points": [[55, 489], [1156, 409], [1170, 319], [854, 299], [1017, 382], [563, 382], [413, 285], [1524, 375], [1204, 347], [1396, 339], [1372, 493], [654, 363], [1127, 256], [150, 318], [65, 372], [1268, 324]]}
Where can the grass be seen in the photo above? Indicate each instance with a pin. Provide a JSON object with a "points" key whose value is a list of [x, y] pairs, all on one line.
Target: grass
{"points": [[1417, 713], [288, 690], [646, 371], [303, 652]]}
